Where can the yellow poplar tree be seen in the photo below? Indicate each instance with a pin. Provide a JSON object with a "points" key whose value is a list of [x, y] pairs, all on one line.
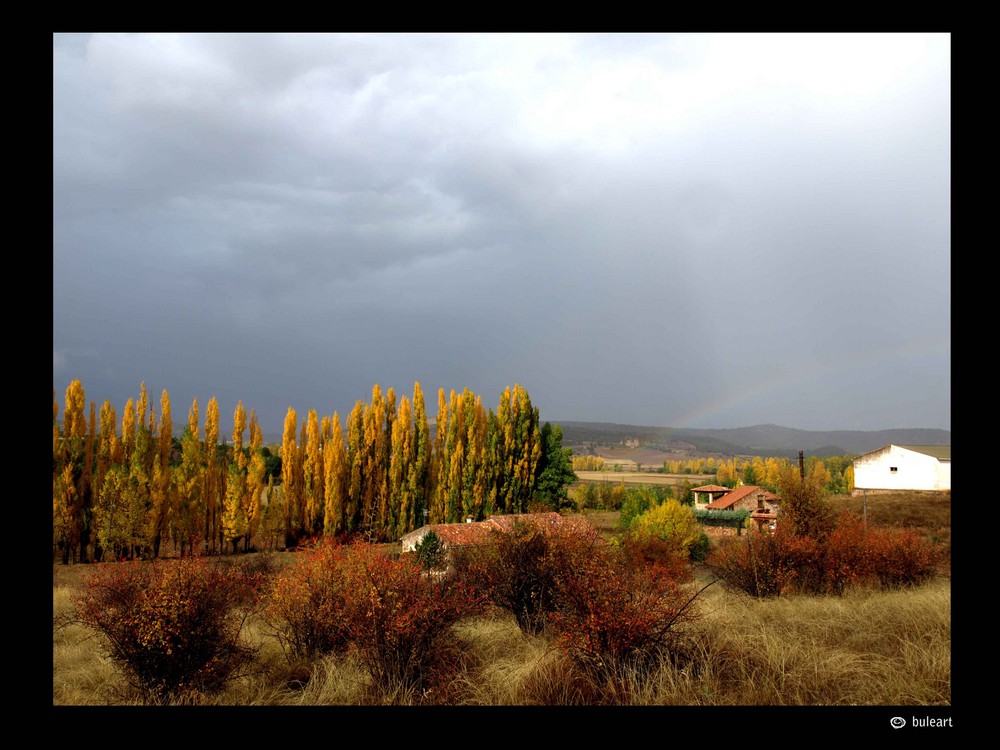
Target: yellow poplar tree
{"points": [[256, 470], [336, 478], [188, 511], [453, 460], [312, 475], [68, 492], [505, 459], [128, 431], [419, 468], [437, 492], [213, 488], [356, 459], [108, 456], [87, 483], [141, 510], [291, 479], [474, 480], [400, 494], [234, 522], [162, 474], [373, 467], [384, 513]]}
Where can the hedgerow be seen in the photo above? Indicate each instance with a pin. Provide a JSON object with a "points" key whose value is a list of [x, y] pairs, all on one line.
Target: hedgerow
{"points": [[848, 555]]}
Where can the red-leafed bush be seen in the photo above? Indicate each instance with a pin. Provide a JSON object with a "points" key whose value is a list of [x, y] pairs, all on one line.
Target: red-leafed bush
{"points": [[516, 569], [307, 605], [756, 563], [651, 551], [172, 627], [399, 618], [848, 555], [613, 615], [860, 555]]}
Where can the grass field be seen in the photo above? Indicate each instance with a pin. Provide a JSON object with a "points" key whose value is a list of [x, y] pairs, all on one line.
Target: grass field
{"points": [[641, 477], [867, 648]]}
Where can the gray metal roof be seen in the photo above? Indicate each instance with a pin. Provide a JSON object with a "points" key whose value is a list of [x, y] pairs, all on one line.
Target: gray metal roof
{"points": [[940, 452]]}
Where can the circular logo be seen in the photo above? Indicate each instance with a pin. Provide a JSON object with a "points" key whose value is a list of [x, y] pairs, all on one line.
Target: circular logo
{"points": [[897, 722]]}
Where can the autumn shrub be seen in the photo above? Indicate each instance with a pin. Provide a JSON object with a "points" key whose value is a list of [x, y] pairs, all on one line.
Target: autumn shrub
{"points": [[858, 555], [805, 510], [649, 550], [848, 555], [306, 606], [904, 558], [672, 523], [173, 627], [762, 564], [516, 570], [399, 618], [613, 616]]}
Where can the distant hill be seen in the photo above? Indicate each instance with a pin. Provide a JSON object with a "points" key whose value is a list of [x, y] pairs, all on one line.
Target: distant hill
{"points": [[760, 440]]}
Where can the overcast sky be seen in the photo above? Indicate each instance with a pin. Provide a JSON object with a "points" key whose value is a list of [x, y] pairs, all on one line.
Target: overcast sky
{"points": [[682, 230]]}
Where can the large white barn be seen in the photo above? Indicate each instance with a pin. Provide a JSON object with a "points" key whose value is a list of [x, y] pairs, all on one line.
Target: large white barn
{"points": [[903, 467]]}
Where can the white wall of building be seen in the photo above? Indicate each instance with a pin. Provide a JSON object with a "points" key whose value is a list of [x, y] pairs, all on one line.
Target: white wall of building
{"points": [[896, 468]]}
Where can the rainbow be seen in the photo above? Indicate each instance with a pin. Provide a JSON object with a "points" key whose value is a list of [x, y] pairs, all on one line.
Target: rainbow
{"points": [[908, 351]]}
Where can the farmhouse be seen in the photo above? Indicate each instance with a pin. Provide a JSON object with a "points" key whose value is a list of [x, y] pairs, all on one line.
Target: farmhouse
{"points": [[472, 533], [761, 502], [903, 467], [746, 497]]}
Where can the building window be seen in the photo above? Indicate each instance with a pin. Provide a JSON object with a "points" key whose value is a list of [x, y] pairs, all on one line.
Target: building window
{"points": [[892, 469]]}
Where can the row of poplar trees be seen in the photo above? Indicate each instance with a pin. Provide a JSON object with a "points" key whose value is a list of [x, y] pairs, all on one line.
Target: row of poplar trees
{"points": [[126, 494]]}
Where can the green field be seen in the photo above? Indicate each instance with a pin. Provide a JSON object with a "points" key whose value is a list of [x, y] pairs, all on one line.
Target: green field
{"points": [[641, 477]]}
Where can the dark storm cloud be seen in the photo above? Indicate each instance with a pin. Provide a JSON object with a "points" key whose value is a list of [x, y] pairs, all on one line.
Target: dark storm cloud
{"points": [[711, 229]]}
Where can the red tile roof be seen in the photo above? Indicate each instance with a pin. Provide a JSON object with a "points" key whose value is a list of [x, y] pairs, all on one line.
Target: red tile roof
{"points": [[727, 501], [710, 488], [466, 534]]}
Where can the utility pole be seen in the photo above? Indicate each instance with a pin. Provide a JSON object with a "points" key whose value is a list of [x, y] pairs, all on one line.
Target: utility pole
{"points": [[802, 467]]}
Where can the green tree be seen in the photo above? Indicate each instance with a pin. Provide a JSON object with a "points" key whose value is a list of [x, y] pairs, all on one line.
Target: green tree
{"points": [[430, 551], [555, 468], [187, 512]]}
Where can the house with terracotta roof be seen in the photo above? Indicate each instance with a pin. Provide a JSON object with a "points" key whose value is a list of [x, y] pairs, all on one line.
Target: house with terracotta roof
{"points": [[761, 502], [892, 468], [745, 497], [473, 533]]}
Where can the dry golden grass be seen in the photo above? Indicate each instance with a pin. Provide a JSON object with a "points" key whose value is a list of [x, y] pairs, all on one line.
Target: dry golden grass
{"points": [[910, 509], [81, 676], [865, 648]]}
